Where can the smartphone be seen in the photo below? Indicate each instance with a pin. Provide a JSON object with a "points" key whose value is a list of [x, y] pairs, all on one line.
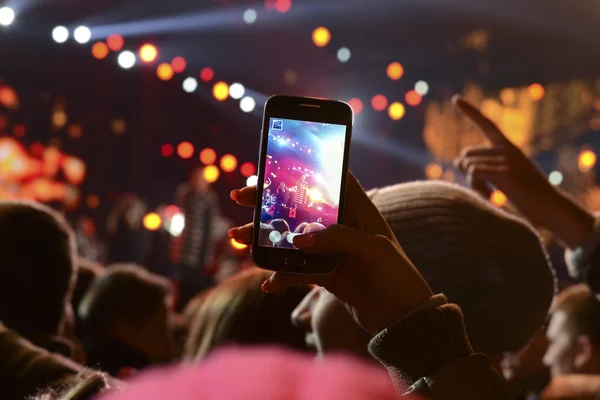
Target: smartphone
{"points": [[302, 171]]}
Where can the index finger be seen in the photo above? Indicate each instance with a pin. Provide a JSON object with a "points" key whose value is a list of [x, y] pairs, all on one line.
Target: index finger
{"points": [[489, 129]]}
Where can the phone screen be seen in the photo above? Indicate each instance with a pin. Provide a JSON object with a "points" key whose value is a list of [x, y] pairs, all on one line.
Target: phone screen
{"points": [[303, 180]]}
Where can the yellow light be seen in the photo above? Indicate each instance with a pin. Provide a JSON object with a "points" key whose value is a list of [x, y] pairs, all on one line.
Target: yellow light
{"points": [[148, 53], [315, 195], [59, 119], [228, 163], [152, 221], [433, 171], [536, 91], [498, 198], [396, 111], [237, 245], [587, 160], [321, 36], [118, 126], [208, 156], [221, 91], [165, 71], [100, 50], [395, 71], [211, 174]]}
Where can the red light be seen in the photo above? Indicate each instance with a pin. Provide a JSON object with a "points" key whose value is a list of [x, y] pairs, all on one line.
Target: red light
{"points": [[247, 169], [413, 98], [19, 130], [115, 42], [356, 105], [179, 64], [148, 53], [283, 5], [207, 74], [37, 149], [100, 50], [185, 150], [208, 156], [270, 4], [171, 210], [379, 102], [167, 150]]}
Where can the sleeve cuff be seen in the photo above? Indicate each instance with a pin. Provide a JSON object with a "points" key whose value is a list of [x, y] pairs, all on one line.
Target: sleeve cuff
{"points": [[577, 258]]}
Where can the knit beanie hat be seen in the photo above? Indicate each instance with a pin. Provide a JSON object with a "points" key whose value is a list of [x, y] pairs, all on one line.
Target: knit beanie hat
{"points": [[492, 264], [266, 374]]}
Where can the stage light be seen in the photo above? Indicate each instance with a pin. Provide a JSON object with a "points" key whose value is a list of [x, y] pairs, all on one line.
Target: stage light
{"points": [[555, 178], [356, 104], [148, 53], [283, 6], [536, 91], [247, 104], [185, 150], [92, 201], [237, 245], [211, 174], [60, 34], [586, 160], [118, 126], [247, 169], [498, 198], [236, 91], [82, 34], [115, 42], [126, 59], [413, 98], [422, 88], [343, 54], [228, 163], [74, 131], [396, 111], [379, 102], [433, 171], [164, 71], [100, 50], [59, 118], [190, 84], [290, 76], [167, 150], [171, 211], [208, 156], [250, 16], [176, 225], [179, 64], [152, 221], [221, 91], [207, 74], [252, 180], [19, 130], [321, 36], [7, 16], [395, 71]]}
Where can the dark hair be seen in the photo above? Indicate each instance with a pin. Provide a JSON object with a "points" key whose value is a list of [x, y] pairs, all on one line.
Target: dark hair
{"points": [[280, 225], [300, 227], [263, 234], [87, 272], [582, 310], [237, 311], [38, 270], [123, 291]]}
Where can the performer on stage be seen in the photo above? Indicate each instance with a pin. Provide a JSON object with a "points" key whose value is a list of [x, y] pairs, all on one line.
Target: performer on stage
{"points": [[301, 195]]}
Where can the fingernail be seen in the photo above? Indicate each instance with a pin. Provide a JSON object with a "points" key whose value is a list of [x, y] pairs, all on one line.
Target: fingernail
{"points": [[266, 286], [231, 233], [455, 98], [304, 241], [233, 194]]}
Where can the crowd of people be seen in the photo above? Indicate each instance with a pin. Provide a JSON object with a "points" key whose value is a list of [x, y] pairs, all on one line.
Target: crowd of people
{"points": [[438, 295]]}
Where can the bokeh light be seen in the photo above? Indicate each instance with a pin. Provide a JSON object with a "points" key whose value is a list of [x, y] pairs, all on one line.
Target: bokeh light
{"points": [[221, 91], [236, 91], [343, 54], [190, 84], [19, 130], [238, 246], [115, 42], [60, 34], [179, 64], [164, 71], [252, 180], [75, 131], [422, 88], [379, 102], [207, 74], [148, 53], [321, 36], [185, 150], [126, 59], [250, 16], [82, 34], [396, 111], [247, 169], [247, 104], [100, 50], [356, 104], [211, 173], [92, 201], [208, 156], [228, 163], [395, 71], [413, 98], [283, 6], [536, 91], [7, 16], [118, 126], [152, 221], [555, 178], [59, 118], [433, 171], [586, 160], [498, 198], [167, 150], [9, 97]]}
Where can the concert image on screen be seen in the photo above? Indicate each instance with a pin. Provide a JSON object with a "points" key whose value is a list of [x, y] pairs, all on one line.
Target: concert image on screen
{"points": [[303, 179]]}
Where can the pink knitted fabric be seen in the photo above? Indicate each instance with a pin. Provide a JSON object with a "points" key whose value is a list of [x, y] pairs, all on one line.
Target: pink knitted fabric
{"points": [[265, 374]]}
